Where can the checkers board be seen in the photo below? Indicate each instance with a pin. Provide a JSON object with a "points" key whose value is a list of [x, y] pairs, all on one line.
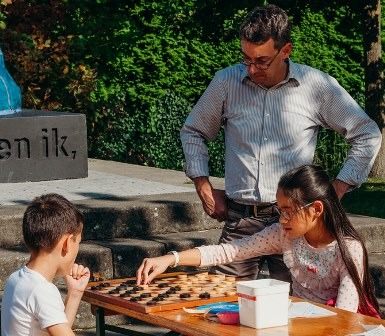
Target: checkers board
{"points": [[167, 291]]}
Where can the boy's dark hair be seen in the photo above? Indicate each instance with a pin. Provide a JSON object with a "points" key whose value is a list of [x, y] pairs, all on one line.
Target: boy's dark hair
{"points": [[309, 183], [264, 23], [47, 218]]}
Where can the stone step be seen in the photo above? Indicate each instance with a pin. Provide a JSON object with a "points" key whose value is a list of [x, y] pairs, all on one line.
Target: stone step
{"points": [[377, 270], [121, 257], [126, 218], [149, 215], [118, 258], [372, 230], [159, 214]]}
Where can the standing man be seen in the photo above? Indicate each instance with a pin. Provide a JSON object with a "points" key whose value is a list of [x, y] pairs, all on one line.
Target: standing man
{"points": [[271, 109]]}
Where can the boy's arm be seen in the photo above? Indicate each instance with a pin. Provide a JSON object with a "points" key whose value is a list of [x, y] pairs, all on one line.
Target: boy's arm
{"points": [[62, 329], [76, 284]]}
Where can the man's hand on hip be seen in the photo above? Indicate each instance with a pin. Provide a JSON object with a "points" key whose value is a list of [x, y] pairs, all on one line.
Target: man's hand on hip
{"points": [[340, 187], [213, 200]]}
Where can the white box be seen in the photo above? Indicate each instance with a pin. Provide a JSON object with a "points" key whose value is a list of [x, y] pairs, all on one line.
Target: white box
{"points": [[263, 303]]}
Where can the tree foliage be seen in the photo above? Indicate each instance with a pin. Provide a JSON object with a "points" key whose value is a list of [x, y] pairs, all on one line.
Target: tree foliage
{"points": [[135, 68]]}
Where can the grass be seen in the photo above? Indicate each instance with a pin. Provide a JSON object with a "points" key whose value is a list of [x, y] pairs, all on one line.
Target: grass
{"points": [[368, 200]]}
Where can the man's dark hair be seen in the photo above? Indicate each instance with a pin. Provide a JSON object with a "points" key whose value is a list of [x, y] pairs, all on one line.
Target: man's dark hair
{"points": [[47, 218], [266, 22]]}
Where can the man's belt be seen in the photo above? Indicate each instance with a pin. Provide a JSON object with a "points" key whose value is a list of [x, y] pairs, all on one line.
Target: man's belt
{"points": [[260, 209]]}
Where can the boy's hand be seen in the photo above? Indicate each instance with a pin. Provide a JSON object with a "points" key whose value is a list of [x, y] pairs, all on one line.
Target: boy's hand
{"points": [[78, 278]]}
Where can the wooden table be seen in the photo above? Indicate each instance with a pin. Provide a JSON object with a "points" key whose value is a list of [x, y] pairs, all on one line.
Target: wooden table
{"points": [[178, 321]]}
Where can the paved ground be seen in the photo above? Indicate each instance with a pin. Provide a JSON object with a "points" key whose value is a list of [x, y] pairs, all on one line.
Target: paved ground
{"points": [[105, 180]]}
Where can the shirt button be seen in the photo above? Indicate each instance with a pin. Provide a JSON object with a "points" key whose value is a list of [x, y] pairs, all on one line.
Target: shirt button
{"points": [[262, 163], [265, 139]]}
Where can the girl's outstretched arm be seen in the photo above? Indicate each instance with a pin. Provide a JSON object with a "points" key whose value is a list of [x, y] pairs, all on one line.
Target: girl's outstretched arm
{"points": [[151, 267]]}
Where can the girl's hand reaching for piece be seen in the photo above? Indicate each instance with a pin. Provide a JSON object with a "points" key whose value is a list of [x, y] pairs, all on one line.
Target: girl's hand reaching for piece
{"points": [[151, 267]]}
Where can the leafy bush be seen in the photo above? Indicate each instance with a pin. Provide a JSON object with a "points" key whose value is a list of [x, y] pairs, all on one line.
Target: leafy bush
{"points": [[162, 142], [331, 151], [163, 138]]}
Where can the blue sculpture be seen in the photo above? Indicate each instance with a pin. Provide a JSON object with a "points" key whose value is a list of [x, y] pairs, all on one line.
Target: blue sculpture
{"points": [[10, 94]]}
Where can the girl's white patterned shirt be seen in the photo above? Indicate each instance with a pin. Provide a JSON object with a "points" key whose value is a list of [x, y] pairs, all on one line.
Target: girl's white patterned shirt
{"points": [[318, 274]]}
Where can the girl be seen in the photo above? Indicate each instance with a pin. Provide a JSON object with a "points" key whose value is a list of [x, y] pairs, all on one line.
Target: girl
{"points": [[326, 257]]}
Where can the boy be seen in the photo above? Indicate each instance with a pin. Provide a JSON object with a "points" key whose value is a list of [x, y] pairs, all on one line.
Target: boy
{"points": [[32, 304]]}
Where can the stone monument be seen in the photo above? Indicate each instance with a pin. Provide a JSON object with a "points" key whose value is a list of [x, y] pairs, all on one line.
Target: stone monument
{"points": [[38, 145], [42, 145]]}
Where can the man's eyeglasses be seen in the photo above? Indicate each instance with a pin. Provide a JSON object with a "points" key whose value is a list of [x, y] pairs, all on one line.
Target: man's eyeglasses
{"points": [[259, 65], [288, 214]]}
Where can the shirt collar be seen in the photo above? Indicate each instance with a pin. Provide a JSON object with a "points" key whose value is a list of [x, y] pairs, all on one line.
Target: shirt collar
{"points": [[294, 72]]}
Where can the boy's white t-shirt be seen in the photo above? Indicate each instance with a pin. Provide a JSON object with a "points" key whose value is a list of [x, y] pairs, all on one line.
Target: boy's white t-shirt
{"points": [[30, 304]]}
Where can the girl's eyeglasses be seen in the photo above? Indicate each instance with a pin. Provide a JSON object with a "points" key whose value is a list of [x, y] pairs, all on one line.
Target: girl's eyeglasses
{"points": [[288, 214]]}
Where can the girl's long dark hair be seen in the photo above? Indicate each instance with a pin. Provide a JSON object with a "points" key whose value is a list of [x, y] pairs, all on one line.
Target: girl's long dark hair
{"points": [[309, 183]]}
